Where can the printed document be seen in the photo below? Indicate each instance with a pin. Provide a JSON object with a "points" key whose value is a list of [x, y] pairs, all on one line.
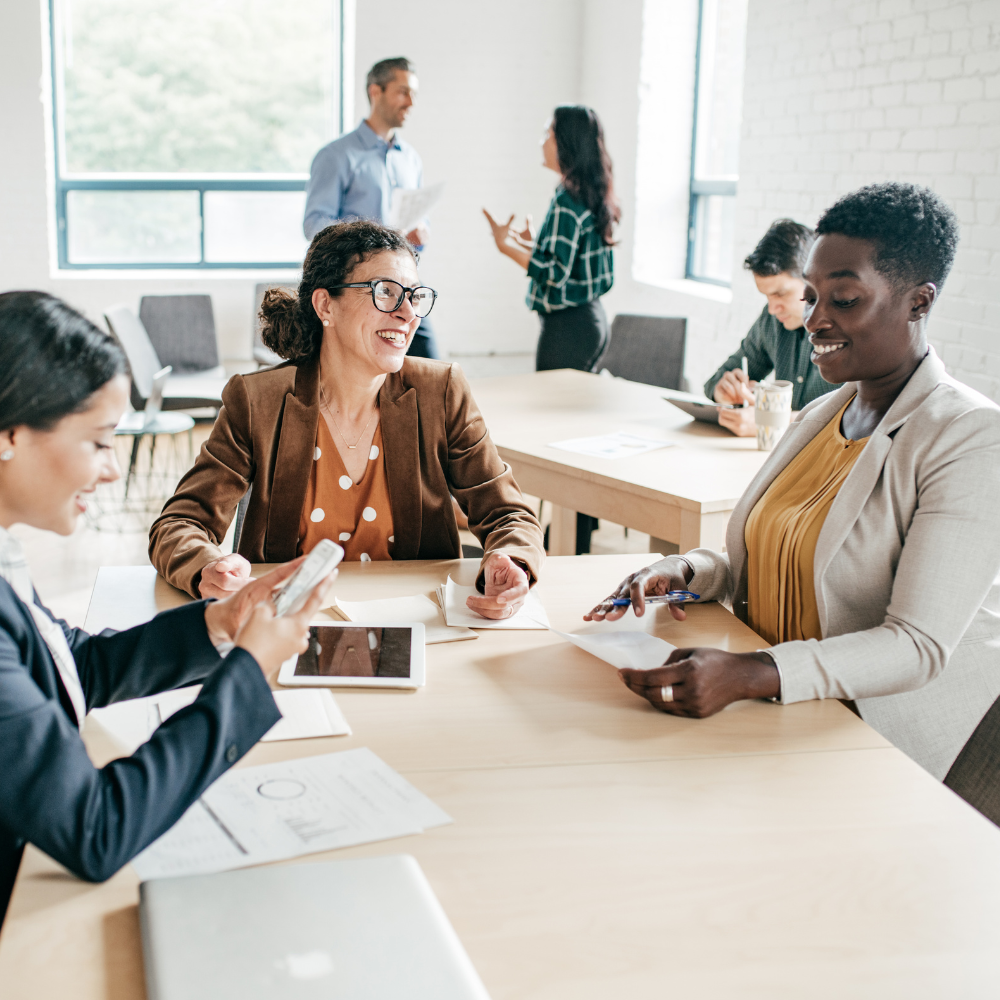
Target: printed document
{"points": [[619, 445], [284, 810], [409, 206], [452, 597]]}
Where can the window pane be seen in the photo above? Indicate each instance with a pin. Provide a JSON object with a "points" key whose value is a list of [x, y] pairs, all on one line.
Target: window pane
{"points": [[190, 85], [135, 227], [254, 227], [712, 253], [721, 57]]}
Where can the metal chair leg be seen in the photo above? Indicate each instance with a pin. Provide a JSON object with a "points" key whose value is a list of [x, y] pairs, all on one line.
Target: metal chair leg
{"points": [[132, 462]]}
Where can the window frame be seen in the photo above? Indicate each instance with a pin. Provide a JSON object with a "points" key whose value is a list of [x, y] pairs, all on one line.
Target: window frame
{"points": [[701, 187], [201, 183]]}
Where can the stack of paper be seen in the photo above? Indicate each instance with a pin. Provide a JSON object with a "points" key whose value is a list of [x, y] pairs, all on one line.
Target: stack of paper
{"points": [[401, 610], [306, 714], [452, 598], [284, 810]]}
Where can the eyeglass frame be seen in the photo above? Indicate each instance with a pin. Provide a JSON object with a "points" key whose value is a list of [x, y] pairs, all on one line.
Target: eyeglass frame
{"points": [[376, 281]]}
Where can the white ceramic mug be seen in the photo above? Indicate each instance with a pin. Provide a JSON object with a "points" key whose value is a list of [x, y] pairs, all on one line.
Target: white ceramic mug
{"points": [[772, 411]]}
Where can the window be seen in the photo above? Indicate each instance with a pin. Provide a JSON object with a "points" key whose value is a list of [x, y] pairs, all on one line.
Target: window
{"points": [[715, 144], [184, 129]]}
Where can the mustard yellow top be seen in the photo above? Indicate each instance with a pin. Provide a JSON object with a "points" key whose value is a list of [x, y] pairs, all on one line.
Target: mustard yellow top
{"points": [[782, 531]]}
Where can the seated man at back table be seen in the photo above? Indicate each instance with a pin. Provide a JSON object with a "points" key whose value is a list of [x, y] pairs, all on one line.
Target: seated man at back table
{"points": [[777, 341]]}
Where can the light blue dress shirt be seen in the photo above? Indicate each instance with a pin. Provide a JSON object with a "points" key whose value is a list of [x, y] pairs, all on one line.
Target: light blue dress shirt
{"points": [[353, 177]]}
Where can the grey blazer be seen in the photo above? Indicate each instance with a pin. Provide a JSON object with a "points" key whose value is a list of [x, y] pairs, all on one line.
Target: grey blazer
{"points": [[907, 568]]}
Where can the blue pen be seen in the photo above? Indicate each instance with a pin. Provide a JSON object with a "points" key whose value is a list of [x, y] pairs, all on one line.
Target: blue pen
{"points": [[673, 597]]}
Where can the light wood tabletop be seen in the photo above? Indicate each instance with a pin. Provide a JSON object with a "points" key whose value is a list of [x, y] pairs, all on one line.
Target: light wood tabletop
{"points": [[682, 495], [601, 848]]}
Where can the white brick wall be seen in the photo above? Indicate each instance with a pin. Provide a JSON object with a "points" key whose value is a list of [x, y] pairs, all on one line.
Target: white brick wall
{"points": [[841, 93]]}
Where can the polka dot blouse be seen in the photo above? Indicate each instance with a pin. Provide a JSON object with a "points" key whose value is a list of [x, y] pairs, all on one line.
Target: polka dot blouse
{"points": [[355, 515]]}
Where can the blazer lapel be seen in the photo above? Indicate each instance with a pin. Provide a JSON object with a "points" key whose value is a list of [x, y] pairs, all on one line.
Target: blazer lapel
{"points": [[292, 464], [401, 439]]}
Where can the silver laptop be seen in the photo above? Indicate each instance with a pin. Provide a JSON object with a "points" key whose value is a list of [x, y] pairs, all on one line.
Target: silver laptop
{"points": [[344, 930]]}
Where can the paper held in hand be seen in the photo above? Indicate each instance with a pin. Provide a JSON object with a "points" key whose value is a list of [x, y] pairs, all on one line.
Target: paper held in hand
{"points": [[410, 206], [287, 809], [452, 597], [619, 445], [635, 650], [402, 611]]}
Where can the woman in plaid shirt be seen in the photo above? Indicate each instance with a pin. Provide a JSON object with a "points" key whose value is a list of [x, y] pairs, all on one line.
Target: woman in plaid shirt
{"points": [[570, 262]]}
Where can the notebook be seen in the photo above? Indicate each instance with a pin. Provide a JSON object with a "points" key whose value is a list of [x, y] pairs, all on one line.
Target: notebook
{"points": [[368, 929]]}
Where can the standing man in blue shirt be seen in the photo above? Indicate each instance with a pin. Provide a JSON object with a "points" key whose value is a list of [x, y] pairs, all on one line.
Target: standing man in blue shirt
{"points": [[353, 177]]}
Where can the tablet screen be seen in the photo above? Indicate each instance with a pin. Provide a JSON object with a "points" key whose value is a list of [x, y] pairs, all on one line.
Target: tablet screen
{"points": [[355, 651]]}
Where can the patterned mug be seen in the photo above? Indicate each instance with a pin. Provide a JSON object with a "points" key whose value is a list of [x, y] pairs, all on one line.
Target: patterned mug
{"points": [[772, 412]]}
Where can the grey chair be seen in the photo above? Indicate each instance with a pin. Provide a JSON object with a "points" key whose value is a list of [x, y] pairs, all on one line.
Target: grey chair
{"points": [[648, 349], [975, 775], [181, 329], [181, 392], [264, 356]]}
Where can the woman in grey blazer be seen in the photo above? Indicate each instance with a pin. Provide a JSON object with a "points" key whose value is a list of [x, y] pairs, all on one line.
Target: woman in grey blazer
{"points": [[906, 566]]}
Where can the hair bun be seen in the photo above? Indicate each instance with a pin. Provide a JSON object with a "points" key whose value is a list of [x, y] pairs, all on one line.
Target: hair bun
{"points": [[279, 324]]}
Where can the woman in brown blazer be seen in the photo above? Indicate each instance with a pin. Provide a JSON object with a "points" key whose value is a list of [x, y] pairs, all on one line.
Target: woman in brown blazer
{"points": [[398, 438]]}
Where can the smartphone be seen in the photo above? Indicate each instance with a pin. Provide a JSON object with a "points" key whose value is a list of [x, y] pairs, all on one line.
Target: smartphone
{"points": [[318, 565]]}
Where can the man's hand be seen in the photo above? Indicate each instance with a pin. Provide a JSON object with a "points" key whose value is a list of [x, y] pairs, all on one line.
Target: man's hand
{"points": [[225, 576], [418, 236], [741, 422], [505, 588], [734, 387]]}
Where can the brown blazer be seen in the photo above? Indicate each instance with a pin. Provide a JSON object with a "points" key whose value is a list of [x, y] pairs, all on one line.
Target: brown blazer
{"points": [[436, 445]]}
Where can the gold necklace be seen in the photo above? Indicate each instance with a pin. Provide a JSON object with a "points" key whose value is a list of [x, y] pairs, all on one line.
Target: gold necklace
{"points": [[324, 403]]}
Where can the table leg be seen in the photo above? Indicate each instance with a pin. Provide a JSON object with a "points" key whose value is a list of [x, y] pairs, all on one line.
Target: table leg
{"points": [[562, 532], [664, 547], [704, 531]]}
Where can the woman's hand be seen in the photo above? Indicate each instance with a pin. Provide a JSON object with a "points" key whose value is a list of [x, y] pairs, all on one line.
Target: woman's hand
{"points": [[508, 242], [225, 576], [526, 237], [225, 618], [672, 573], [271, 640], [505, 588], [501, 230], [701, 682]]}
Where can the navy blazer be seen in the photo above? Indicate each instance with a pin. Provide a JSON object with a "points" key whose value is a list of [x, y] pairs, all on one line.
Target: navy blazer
{"points": [[93, 820]]}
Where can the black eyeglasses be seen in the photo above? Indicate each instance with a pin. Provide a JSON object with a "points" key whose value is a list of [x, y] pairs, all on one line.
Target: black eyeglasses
{"points": [[388, 296]]}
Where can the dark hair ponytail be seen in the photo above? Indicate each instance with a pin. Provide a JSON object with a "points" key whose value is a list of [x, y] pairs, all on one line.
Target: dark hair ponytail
{"points": [[586, 166], [52, 360], [289, 324]]}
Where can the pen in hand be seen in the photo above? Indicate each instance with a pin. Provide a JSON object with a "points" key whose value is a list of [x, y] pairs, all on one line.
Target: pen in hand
{"points": [[673, 597]]}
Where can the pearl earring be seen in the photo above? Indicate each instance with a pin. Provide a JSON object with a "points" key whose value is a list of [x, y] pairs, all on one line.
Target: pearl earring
{"points": [[326, 322], [6, 455]]}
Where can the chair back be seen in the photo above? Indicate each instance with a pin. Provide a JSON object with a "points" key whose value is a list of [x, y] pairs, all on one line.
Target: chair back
{"points": [[262, 354], [648, 349], [155, 402], [975, 775], [182, 330], [143, 362]]}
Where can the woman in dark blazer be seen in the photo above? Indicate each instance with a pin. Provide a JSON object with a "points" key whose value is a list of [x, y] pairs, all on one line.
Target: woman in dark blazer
{"points": [[348, 387], [55, 448]]}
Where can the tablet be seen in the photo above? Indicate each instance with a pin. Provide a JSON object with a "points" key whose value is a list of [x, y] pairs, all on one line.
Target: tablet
{"points": [[699, 407], [354, 654]]}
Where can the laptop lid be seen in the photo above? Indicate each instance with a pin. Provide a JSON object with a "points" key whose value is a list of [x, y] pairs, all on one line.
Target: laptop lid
{"points": [[370, 929], [154, 402]]}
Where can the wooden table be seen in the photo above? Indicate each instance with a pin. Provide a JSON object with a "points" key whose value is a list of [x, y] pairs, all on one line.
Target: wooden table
{"points": [[681, 496], [600, 848]]}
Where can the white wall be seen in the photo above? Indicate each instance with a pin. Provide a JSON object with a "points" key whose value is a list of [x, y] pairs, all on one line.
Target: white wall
{"points": [[489, 76]]}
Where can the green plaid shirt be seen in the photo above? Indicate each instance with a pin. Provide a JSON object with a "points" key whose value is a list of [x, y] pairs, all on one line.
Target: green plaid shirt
{"points": [[569, 262], [768, 347]]}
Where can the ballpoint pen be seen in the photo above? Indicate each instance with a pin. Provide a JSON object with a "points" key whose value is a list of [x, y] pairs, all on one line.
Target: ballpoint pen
{"points": [[673, 597]]}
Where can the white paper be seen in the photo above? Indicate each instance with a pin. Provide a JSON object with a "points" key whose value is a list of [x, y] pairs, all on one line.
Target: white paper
{"points": [[618, 445], [637, 650], [402, 610], [284, 810], [410, 206], [307, 714], [530, 616]]}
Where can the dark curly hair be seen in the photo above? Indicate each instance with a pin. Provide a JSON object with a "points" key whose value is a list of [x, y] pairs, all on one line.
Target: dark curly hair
{"points": [[784, 247], [915, 233], [289, 325], [586, 166], [52, 360]]}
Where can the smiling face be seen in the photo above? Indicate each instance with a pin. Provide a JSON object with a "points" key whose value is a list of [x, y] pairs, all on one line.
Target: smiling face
{"points": [[370, 341], [784, 297], [391, 104], [46, 482], [859, 323]]}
